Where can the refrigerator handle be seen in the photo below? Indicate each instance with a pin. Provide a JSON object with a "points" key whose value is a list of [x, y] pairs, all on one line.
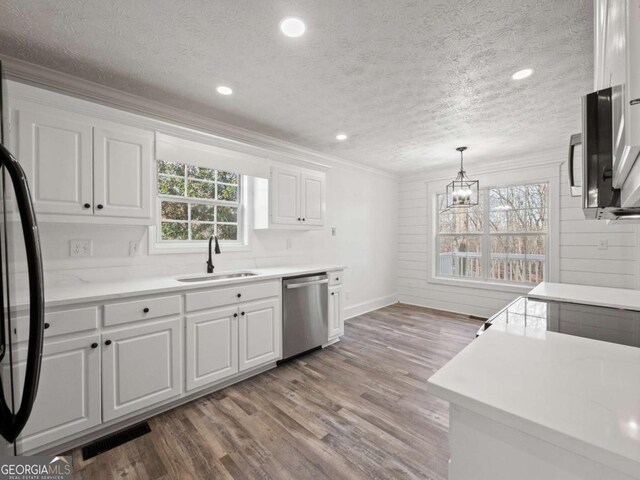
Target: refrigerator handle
{"points": [[11, 424], [576, 139]]}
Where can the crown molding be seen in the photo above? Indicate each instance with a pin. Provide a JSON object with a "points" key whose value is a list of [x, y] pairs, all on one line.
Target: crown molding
{"points": [[46, 78], [542, 159]]}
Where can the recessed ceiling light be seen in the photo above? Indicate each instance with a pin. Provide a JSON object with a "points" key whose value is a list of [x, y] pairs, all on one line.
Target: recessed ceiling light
{"points": [[520, 74], [292, 26], [223, 90], [341, 136]]}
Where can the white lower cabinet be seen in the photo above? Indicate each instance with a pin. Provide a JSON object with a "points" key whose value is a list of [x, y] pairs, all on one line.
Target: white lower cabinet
{"points": [[336, 315], [133, 359], [211, 346], [260, 333], [68, 398], [140, 367]]}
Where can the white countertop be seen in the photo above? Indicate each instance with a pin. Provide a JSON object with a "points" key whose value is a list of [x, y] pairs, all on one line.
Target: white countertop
{"points": [[97, 291], [602, 296], [580, 394]]}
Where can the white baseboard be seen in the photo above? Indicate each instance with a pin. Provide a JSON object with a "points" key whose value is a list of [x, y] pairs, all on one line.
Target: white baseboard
{"points": [[370, 305], [432, 307]]}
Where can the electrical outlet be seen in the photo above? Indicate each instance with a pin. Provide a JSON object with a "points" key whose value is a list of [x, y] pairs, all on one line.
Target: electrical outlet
{"points": [[603, 244], [80, 248], [288, 244], [334, 231], [133, 248]]}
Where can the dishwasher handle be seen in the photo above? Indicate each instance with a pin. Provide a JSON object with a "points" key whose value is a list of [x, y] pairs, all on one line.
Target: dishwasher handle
{"points": [[306, 284]]}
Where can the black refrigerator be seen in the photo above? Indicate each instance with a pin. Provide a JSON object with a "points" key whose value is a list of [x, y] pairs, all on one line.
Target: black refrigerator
{"points": [[21, 285]]}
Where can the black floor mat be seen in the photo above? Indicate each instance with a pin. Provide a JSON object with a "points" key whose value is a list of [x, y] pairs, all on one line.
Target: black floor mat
{"points": [[114, 440]]}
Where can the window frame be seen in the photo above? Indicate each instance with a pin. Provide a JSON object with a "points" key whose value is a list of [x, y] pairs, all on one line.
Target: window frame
{"points": [[552, 271], [159, 246]]}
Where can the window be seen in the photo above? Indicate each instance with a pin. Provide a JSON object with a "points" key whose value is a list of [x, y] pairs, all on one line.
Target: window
{"points": [[197, 202], [502, 239]]}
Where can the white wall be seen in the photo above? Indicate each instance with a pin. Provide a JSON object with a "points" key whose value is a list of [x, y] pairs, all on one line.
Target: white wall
{"points": [[579, 260]]}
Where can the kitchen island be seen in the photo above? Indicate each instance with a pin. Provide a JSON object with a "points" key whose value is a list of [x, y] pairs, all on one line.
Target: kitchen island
{"points": [[528, 403]]}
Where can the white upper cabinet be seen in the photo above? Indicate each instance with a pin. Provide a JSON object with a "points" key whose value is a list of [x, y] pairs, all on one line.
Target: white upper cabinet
{"points": [[313, 198], [294, 199], [54, 148], [82, 168], [609, 43], [617, 62], [122, 171], [285, 196]]}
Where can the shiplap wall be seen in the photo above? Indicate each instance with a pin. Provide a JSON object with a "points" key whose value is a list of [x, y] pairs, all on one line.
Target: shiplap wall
{"points": [[580, 259]]}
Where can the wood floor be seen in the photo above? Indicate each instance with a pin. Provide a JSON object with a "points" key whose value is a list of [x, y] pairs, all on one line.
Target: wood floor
{"points": [[356, 410]]}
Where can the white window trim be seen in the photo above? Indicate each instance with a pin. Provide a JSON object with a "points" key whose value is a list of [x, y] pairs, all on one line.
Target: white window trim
{"points": [[548, 174], [156, 246]]}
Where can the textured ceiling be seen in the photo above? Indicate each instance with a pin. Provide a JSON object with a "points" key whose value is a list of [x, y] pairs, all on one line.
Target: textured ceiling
{"points": [[408, 80]]}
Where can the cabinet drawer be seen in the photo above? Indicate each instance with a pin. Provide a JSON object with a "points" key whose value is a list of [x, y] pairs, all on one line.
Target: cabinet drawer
{"points": [[335, 278], [59, 323], [218, 297], [125, 312]]}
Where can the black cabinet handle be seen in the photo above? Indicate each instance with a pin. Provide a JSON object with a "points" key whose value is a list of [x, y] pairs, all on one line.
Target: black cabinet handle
{"points": [[108, 342], [239, 295], [87, 205], [46, 325], [145, 310], [242, 313], [299, 219], [304, 219], [94, 345], [100, 207], [235, 315], [337, 278], [333, 293]]}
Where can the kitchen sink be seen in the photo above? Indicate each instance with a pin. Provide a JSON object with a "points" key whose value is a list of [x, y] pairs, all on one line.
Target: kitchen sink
{"points": [[220, 276]]}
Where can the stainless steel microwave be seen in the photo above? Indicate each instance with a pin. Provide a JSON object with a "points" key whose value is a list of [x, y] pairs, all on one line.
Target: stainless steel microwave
{"points": [[601, 124]]}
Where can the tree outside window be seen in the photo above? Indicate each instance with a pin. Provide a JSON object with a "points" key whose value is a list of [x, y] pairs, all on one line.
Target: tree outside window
{"points": [[503, 238], [197, 202]]}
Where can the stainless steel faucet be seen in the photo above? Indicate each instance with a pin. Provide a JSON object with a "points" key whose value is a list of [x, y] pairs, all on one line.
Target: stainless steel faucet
{"points": [[210, 266]]}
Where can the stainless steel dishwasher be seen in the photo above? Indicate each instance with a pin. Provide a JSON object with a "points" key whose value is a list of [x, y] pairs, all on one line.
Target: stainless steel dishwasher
{"points": [[304, 313]]}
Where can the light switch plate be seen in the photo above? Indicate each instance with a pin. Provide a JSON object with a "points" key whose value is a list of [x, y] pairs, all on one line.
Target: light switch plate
{"points": [[80, 248], [133, 248]]}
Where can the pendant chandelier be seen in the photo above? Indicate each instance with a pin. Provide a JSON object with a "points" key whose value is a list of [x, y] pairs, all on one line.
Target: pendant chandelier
{"points": [[462, 192]]}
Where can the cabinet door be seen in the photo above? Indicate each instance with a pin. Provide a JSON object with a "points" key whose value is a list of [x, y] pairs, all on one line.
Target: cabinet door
{"points": [[313, 199], [140, 367], [122, 172], [54, 149], [600, 38], [260, 333], [68, 398], [285, 197], [336, 315], [615, 43], [212, 346]]}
